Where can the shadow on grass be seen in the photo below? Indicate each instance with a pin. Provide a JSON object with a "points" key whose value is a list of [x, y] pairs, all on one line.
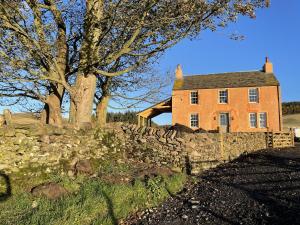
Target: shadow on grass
{"points": [[110, 208], [7, 193]]}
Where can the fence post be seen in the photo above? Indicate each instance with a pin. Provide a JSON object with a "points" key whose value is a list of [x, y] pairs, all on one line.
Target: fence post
{"points": [[292, 132], [273, 142], [222, 146]]}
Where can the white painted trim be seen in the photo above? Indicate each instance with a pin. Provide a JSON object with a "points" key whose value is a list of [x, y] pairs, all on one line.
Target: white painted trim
{"points": [[191, 97], [258, 94], [222, 103], [249, 120], [190, 120]]}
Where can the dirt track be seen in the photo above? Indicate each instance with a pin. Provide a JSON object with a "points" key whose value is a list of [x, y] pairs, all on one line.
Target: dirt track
{"points": [[260, 188]]}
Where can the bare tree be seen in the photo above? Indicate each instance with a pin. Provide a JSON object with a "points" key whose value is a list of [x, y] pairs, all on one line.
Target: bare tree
{"points": [[50, 41]]}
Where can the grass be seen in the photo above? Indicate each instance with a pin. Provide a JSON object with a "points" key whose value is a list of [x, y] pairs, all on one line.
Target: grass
{"points": [[92, 201]]}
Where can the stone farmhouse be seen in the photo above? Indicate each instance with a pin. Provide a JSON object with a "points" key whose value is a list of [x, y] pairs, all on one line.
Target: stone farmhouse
{"points": [[226, 102]]}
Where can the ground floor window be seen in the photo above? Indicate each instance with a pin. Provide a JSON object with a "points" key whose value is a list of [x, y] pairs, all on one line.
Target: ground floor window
{"points": [[263, 120], [194, 120], [253, 120]]}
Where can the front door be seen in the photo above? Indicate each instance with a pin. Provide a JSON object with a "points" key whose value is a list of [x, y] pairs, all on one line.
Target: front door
{"points": [[224, 122]]}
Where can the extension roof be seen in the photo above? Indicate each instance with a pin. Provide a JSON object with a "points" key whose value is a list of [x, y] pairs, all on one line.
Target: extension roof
{"points": [[226, 80]]}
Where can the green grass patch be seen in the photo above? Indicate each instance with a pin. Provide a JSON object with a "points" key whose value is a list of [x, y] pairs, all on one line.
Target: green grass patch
{"points": [[92, 201]]}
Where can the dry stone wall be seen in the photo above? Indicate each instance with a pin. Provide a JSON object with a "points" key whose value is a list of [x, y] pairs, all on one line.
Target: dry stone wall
{"points": [[49, 147], [193, 151], [23, 146]]}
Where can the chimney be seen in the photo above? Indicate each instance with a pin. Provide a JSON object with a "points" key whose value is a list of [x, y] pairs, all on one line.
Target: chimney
{"points": [[268, 67], [178, 72]]}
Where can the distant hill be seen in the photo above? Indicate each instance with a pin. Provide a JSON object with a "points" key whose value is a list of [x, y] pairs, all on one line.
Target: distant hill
{"points": [[290, 108], [292, 120], [24, 118]]}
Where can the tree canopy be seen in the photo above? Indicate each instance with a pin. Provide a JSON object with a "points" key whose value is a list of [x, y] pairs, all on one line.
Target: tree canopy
{"points": [[52, 47]]}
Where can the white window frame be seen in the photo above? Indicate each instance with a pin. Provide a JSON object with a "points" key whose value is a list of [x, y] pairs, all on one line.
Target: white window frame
{"points": [[191, 120], [252, 113], [251, 95], [227, 96], [194, 97], [266, 120]]}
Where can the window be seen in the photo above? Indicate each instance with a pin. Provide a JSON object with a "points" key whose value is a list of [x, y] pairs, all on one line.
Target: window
{"points": [[253, 95], [223, 96], [263, 120], [194, 120], [194, 97], [253, 120]]}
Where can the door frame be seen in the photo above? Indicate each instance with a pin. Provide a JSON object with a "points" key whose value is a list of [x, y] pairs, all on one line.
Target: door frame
{"points": [[228, 121]]}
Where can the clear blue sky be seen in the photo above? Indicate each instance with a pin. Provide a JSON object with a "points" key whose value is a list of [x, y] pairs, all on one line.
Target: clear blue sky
{"points": [[274, 33]]}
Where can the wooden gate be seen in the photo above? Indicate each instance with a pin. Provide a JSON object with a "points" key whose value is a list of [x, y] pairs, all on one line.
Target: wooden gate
{"points": [[280, 139]]}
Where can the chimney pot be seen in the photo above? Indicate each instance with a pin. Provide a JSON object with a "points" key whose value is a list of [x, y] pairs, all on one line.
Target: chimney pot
{"points": [[268, 67], [267, 59]]}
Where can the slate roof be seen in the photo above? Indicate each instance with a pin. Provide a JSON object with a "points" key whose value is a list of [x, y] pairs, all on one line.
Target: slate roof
{"points": [[226, 80]]}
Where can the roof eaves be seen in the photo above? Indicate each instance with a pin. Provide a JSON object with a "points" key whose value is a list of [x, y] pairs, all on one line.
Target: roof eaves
{"points": [[168, 99]]}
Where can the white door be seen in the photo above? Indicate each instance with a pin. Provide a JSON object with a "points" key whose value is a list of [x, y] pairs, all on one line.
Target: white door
{"points": [[224, 122]]}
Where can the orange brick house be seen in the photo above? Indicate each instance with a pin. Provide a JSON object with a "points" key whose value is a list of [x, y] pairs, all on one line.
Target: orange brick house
{"points": [[227, 102]]}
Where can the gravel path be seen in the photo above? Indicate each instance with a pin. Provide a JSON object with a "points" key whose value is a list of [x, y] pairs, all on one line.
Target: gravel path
{"points": [[260, 188]]}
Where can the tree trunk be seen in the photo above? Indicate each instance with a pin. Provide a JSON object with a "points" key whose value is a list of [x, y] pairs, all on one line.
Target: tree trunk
{"points": [[84, 99], [43, 115], [72, 112], [53, 111], [85, 87], [102, 111], [102, 104]]}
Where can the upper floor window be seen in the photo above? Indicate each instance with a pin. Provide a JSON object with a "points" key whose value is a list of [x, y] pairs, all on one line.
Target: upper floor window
{"points": [[194, 120], [194, 97], [263, 120], [253, 95], [253, 120], [223, 96]]}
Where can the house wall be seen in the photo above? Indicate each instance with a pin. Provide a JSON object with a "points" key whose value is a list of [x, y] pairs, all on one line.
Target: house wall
{"points": [[238, 107]]}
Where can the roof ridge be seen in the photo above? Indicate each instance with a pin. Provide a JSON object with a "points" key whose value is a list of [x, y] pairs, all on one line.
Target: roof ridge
{"points": [[208, 74], [229, 80]]}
